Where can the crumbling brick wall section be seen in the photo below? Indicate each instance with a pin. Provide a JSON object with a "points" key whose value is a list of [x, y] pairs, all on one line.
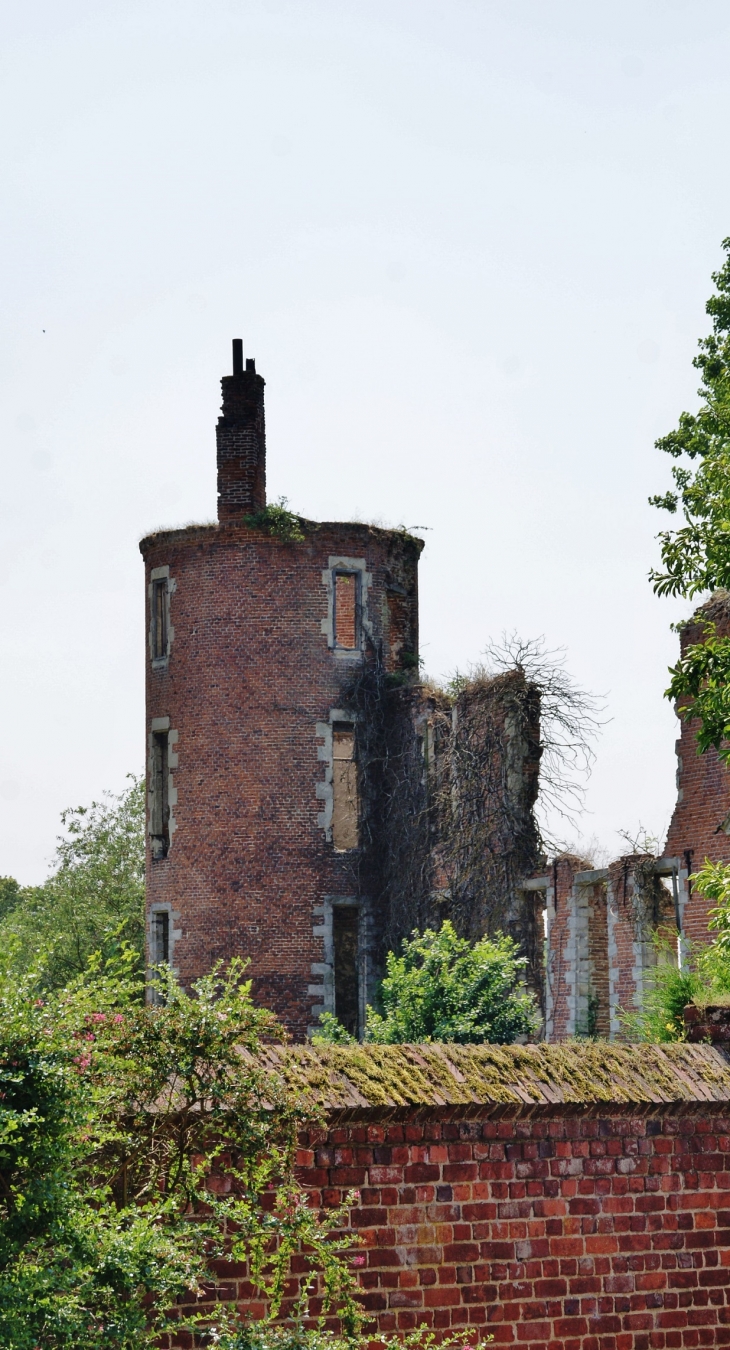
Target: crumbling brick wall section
{"points": [[602, 943], [449, 788], [641, 910], [700, 825], [488, 833], [576, 996]]}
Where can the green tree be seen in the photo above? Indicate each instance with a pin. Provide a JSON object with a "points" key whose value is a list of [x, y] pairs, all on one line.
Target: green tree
{"points": [[121, 1125], [94, 897], [695, 559], [443, 988], [11, 894], [696, 555]]}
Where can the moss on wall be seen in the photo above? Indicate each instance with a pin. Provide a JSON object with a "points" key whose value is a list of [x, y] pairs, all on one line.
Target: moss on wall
{"points": [[574, 1073]]}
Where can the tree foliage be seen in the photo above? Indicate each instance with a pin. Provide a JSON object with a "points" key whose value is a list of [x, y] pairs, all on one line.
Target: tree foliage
{"points": [[137, 1146], [94, 897], [700, 684], [443, 988], [696, 555]]}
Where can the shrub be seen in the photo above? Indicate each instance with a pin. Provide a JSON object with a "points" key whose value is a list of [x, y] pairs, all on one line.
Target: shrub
{"points": [[116, 1118], [275, 519], [444, 988]]}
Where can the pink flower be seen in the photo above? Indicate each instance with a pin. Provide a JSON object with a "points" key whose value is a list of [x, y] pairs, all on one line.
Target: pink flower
{"points": [[118, 1017], [39, 1003], [98, 1017], [360, 1261]]}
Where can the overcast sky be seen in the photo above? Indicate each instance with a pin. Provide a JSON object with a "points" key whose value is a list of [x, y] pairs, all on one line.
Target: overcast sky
{"points": [[468, 242]]}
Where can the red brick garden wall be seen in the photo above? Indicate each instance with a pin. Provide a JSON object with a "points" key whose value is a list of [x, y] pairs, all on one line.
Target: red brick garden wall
{"points": [[557, 1230]]}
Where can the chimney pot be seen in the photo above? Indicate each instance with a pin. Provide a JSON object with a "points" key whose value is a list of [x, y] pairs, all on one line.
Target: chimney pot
{"points": [[241, 441]]}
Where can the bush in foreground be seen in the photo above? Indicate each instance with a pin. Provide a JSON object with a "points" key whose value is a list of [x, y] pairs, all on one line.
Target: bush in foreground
{"points": [[121, 1125]]}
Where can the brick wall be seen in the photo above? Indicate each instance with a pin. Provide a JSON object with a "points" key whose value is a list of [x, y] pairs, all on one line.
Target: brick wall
{"points": [[602, 922], [567, 1197], [557, 1230], [599, 1014], [701, 819]]}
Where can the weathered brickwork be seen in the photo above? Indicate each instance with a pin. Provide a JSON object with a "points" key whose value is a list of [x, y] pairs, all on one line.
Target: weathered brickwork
{"points": [[578, 945], [298, 769], [601, 940], [701, 820], [638, 896], [557, 1231], [298, 772], [251, 688], [602, 924], [557, 1198]]}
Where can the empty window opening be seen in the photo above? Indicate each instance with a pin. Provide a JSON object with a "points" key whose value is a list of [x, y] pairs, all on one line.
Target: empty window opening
{"points": [[160, 938], [345, 930], [345, 802], [399, 614], [159, 619], [346, 607], [160, 804]]}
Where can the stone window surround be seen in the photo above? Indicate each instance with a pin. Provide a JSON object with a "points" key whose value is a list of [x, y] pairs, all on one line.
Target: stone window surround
{"points": [[325, 755], [159, 724], [161, 574], [337, 563], [642, 951], [174, 934], [324, 971], [545, 884]]}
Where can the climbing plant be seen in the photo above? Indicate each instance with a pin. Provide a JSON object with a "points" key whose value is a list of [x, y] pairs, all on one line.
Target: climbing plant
{"points": [[450, 779]]}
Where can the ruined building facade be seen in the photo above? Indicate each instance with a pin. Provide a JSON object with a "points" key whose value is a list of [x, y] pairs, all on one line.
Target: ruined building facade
{"points": [[602, 924], [302, 783], [311, 802]]}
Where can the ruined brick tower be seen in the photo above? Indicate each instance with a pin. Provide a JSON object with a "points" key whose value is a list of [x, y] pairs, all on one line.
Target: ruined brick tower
{"points": [[257, 636]]}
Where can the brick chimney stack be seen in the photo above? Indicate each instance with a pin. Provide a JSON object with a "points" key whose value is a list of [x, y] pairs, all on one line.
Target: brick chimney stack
{"points": [[241, 441]]}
